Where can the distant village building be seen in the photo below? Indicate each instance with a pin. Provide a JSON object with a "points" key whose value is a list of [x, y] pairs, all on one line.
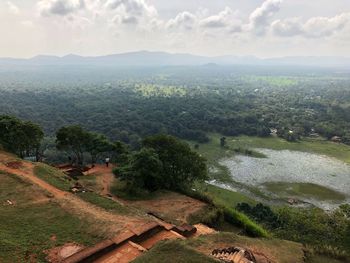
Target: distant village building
{"points": [[314, 135], [336, 139], [273, 131]]}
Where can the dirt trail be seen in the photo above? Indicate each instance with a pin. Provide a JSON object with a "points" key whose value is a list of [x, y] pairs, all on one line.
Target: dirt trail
{"points": [[104, 177], [112, 223], [26, 171]]}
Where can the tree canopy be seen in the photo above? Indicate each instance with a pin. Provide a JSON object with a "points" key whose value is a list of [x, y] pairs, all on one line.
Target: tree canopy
{"points": [[164, 162], [73, 139], [20, 137], [77, 141]]}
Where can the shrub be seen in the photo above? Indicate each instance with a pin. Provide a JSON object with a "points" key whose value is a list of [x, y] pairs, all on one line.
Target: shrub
{"points": [[211, 216], [239, 219], [232, 216], [260, 213]]}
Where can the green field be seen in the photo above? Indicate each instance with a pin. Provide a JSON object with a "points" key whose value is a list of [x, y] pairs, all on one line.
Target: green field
{"points": [[225, 197], [278, 81], [103, 202], [150, 90]]}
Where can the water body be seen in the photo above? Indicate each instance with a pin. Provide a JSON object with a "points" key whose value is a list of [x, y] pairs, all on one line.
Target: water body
{"points": [[316, 179]]}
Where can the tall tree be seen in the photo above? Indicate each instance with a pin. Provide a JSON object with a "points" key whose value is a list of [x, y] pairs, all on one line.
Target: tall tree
{"points": [[143, 171], [96, 144], [181, 165], [73, 139], [20, 137]]}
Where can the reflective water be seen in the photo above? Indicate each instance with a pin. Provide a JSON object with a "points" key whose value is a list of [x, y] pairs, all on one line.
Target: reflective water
{"points": [[293, 167]]}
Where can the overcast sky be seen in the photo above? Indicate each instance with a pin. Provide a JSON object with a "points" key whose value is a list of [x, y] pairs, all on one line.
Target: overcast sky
{"points": [[267, 28]]}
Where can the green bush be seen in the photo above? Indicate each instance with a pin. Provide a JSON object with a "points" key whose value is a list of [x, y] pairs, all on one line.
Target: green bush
{"points": [[231, 215], [333, 252], [314, 227], [239, 219], [210, 215]]}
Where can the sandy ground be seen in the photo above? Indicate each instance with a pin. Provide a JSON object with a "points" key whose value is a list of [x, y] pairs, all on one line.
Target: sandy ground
{"points": [[168, 204], [57, 254], [104, 177], [171, 205], [203, 230]]}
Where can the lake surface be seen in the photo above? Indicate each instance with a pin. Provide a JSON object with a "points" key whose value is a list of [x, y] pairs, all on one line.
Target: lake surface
{"points": [[316, 179]]}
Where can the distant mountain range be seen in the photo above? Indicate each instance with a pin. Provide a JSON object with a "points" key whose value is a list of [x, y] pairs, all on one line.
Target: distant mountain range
{"points": [[147, 58]]}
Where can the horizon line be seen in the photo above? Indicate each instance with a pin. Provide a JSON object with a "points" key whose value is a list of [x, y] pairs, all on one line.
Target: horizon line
{"points": [[172, 53]]}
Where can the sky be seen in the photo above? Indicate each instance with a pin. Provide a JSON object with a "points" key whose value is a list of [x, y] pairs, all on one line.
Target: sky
{"points": [[263, 28]]}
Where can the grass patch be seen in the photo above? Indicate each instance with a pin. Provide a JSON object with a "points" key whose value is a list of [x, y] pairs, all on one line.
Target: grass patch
{"points": [[322, 259], [26, 231], [249, 226], [173, 252], [304, 189], [318, 146], [27, 226], [89, 182], [209, 215], [279, 250], [249, 152], [231, 215], [213, 152], [225, 197], [52, 176], [103, 202]]}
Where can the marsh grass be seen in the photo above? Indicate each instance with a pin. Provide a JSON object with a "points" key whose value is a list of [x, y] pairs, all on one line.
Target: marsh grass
{"points": [[304, 189]]}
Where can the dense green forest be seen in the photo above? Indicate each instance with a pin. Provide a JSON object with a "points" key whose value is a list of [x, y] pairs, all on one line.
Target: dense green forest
{"points": [[188, 102]]}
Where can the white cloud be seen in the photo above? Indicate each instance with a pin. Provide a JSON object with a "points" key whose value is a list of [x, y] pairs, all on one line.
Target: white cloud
{"points": [[107, 26], [217, 21], [287, 27], [184, 20], [13, 8], [259, 18], [314, 27], [130, 12], [27, 23], [60, 7], [324, 26]]}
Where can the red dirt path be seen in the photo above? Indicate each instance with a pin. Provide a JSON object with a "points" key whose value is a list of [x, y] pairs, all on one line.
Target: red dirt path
{"points": [[111, 223]]}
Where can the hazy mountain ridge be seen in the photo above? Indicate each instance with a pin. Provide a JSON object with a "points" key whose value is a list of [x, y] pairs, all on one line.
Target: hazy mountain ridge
{"points": [[147, 58]]}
